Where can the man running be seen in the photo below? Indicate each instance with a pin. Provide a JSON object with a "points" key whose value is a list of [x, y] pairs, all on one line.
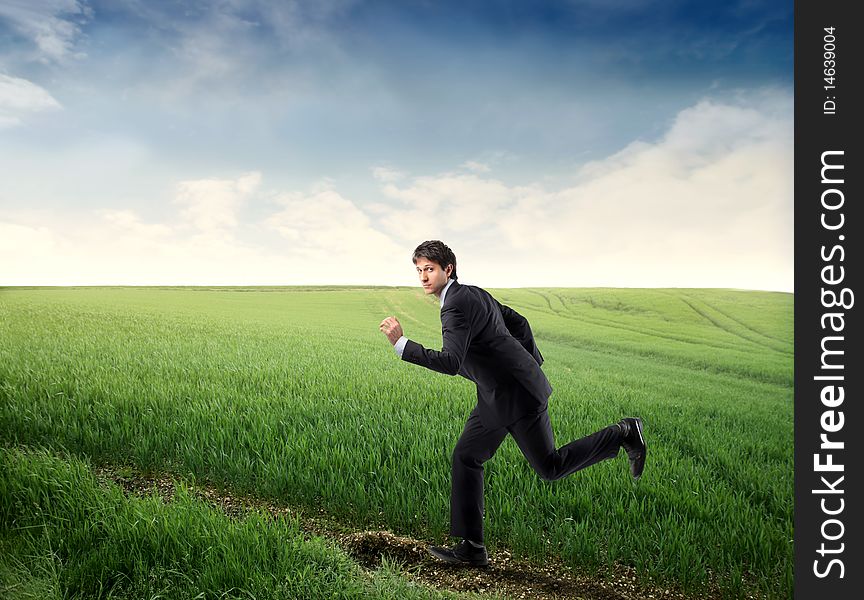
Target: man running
{"points": [[493, 346]]}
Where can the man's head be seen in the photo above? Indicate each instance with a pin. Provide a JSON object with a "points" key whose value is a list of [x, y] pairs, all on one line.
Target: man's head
{"points": [[435, 263]]}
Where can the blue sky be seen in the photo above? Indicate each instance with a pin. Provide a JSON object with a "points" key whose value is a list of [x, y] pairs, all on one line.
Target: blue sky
{"points": [[580, 143]]}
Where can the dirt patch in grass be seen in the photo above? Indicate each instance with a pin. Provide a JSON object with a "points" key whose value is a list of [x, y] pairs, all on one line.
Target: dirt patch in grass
{"points": [[505, 576]]}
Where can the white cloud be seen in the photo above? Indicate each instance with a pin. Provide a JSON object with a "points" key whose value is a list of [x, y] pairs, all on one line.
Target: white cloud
{"points": [[18, 243], [449, 203], [315, 237], [212, 204], [19, 97], [709, 204], [475, 166], [129, 222], [49, 24], [336, 238], [387, 174]]}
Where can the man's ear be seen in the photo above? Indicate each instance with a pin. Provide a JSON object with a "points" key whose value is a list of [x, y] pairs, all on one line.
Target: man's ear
{"points": [[449, 270]]}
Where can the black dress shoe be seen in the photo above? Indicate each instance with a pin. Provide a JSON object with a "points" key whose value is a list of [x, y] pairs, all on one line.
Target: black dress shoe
{"points": [[463, 553], [633, 443]]}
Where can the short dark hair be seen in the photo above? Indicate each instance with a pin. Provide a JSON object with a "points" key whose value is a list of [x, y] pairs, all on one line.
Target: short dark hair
{"points": [[436, 251]]}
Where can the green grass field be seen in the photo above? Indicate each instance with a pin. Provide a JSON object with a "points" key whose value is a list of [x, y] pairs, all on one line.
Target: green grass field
{"points": [[293, 393]]}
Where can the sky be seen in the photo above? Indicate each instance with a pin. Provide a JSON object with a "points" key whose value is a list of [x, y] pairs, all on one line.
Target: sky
{"points": [[573, 143]]}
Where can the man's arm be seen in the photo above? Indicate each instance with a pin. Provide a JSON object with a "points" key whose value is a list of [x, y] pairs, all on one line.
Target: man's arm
{"points": [[519, 328], [456, 333]]}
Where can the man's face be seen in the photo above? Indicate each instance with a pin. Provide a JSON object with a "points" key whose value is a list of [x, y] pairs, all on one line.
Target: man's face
{"points": [[432, 277]]}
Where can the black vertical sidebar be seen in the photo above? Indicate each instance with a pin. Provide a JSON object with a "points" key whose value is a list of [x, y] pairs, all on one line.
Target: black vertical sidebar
{"points": [[829, 425]]}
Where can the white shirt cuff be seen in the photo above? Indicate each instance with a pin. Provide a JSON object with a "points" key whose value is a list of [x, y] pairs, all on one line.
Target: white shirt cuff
{"points": [[399, 346]]}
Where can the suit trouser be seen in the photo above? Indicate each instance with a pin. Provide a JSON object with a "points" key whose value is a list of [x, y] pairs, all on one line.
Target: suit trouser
{"points": [[533, 435]]}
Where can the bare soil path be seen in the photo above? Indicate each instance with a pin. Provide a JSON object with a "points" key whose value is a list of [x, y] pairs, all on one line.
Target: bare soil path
{"points": [[505, 577]]}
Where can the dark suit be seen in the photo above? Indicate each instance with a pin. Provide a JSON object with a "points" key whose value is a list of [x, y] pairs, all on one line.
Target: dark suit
{"points": [[493, 346]]}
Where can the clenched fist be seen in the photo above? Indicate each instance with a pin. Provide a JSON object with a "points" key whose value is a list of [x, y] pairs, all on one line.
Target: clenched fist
{"points": [[392, 329]]}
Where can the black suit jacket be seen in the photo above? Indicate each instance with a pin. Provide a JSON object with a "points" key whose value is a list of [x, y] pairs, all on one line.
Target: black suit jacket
{"points": [[492, 345]]}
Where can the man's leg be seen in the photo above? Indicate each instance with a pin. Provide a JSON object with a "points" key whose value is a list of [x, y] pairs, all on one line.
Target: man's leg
{"points": [[533, 435], [476, 445]]}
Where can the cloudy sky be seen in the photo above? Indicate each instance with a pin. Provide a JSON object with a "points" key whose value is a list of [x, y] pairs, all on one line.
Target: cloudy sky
{"points": [[631, 143]]}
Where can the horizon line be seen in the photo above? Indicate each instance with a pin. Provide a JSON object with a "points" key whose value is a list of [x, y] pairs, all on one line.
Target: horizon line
{"points": [[375, 286]]}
